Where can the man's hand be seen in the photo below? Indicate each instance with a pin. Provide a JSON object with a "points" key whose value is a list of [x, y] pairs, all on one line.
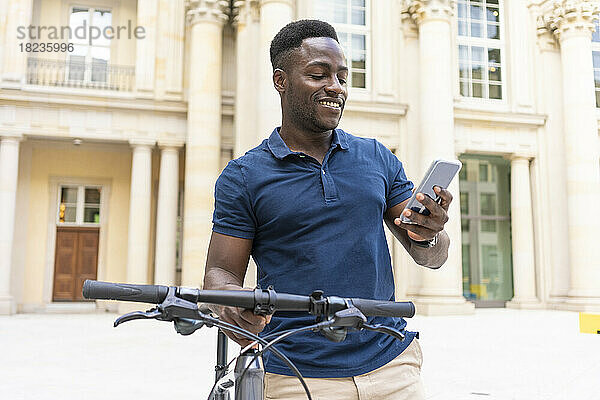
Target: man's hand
{"points": [[425, 227], [245, 319]]}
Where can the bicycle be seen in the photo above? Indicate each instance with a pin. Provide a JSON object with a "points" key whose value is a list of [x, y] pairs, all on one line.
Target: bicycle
{"points": [[335, 315]]}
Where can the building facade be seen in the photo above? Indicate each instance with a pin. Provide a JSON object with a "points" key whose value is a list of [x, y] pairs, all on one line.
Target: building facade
{"points": [[117, 116]]}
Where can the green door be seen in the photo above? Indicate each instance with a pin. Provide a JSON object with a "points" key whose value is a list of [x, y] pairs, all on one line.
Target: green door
{"points": [[485, 222]]}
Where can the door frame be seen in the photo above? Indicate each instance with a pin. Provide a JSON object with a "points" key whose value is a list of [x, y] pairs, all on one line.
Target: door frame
{"points": [[53, 185]]}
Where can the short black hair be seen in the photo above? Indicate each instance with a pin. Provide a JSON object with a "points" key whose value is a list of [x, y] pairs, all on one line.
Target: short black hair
{"points": [[290, 37]]}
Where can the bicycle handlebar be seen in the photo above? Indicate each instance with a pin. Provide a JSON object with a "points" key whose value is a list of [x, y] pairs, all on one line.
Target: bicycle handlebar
{"points": [[260, 300]]}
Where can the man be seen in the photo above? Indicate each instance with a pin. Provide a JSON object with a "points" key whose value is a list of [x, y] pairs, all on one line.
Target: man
{"points": [[309, 204]]}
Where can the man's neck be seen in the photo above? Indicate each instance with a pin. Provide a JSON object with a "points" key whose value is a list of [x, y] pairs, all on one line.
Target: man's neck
{"points": [[314, 144]]}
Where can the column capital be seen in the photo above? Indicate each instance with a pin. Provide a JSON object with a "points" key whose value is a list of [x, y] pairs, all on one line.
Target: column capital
{"points": [[175, 144], [523, 158], [423, 10], [11, 138], [215, 11], [142, 143], [245, 11], [569, 17]]}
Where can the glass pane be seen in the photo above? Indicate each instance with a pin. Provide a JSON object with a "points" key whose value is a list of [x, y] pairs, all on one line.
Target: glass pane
{"points": [[358, 3], [494, 74], [358, 80], [358, 42], [496, 92], [68, 195], [476, 12], [464, 88], [343, 37], [100, 57], [358, 61], [477, 71], [477, 53], [596, 58], [466, 268], [476, 29], [483, 172], [70, 214], [76, 67], [597, 98], [463, 70], [488, 226], [487, 203], [596, 34], [358, 17], [492, 14], [464, 225], [494, 56], [91, 215], [463, 53], [102, 19], [340, 12], [492, 1], [462, 28], [78, 17], [493, 31], [92, 196], [462, 10], [477, 90], [464, 203]]}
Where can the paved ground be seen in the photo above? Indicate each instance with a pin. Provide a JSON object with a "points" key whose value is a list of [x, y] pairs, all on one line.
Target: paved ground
{"points": [[494, 355]]}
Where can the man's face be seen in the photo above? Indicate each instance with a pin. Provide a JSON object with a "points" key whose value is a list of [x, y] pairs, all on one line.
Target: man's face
{"points": [[316, 92]]}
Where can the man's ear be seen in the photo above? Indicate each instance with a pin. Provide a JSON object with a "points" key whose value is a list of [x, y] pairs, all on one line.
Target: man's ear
{"points": [[280, 80]]}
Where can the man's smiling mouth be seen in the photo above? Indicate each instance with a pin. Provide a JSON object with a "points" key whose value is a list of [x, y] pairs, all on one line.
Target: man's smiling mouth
{"points": [[330, 104]]}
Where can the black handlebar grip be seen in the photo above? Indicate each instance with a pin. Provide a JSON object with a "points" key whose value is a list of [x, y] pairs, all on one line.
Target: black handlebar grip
{"points": [[124, 291], [381, 308]]}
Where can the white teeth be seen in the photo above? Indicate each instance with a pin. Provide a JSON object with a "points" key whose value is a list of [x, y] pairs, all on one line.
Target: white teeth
{"points": [[330, 104]]}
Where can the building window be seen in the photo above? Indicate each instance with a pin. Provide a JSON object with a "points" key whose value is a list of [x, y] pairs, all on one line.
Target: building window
{"points": [[350, 20], [480, 46], [91, 52], [596, 58], [79, 205]]}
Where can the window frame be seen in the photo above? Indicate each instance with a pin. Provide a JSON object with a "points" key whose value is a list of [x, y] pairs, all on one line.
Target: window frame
{"points": [[80, 205], [350, 29], [87, 73], [596, 49], [487, 44]]}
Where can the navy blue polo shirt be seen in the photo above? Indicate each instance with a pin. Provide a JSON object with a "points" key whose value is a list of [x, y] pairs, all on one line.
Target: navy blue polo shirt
{"points": [[315, 227]]}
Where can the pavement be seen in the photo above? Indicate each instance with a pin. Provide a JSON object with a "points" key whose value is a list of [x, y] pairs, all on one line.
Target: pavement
{"points": [[496, 354]]}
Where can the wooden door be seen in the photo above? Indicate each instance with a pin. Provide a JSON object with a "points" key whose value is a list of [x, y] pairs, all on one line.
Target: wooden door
{"points": [[76, 259]]}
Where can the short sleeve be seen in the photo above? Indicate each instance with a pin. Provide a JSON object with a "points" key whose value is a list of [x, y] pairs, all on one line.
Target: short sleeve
{"points": [[233, 215], [400, 188]]}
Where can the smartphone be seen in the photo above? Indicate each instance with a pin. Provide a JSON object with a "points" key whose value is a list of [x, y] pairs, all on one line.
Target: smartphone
{"points": [[440, 173]]}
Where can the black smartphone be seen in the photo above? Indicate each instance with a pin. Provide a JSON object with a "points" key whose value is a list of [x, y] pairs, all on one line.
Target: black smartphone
{"points": [[440, 173]]}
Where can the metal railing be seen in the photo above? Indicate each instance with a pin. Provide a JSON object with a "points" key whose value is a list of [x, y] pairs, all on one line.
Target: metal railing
{"points": [[77, 74]]}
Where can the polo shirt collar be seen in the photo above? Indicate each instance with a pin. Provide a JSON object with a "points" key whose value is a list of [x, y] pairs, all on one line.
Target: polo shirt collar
{"points": [[281, 150]]}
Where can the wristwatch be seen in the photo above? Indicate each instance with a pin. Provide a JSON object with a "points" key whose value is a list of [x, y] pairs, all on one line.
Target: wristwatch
{"points": [[425, 243]]}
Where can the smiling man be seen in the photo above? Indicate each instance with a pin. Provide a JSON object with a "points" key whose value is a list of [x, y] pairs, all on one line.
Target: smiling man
{"points": [[309, 204]]}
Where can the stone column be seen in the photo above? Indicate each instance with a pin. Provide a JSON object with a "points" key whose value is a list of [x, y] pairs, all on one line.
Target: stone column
{"points": [[166, 214], [138, 241], [169, 52], [274, 15], [203, 145], [9, 170], [145, 49], [246, 104], [522, 236], [572, 22], [441, 290], [14, 69]]}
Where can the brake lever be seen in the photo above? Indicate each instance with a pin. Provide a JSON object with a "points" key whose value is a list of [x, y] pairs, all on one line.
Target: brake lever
{"points": [[153, 313], [385, 329]]}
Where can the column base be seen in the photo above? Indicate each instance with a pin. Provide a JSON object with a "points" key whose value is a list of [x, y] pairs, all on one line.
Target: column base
{"points": [[581, 304], [531, 304], [8, 306], [443, 306]]}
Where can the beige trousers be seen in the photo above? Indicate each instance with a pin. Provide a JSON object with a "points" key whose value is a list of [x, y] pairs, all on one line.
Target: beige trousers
{"points": [[400, 379]]}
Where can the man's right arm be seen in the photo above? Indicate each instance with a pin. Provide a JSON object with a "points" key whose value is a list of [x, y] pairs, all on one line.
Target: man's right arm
{"points": [[226, 266]]}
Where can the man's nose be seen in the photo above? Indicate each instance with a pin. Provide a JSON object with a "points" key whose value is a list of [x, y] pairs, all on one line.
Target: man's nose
{"points": [[335, 86]]}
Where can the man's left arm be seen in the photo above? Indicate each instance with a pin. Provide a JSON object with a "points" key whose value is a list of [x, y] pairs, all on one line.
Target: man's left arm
{"points": [[425, 228]]}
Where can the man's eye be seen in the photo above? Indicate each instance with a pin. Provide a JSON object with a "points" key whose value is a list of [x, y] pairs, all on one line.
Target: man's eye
{"points": [[342, 81], [317, 76]]}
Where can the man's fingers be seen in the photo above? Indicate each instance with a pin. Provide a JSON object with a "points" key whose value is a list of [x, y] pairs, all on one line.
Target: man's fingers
{"points": [[445, 196], [420, 230], [433, 222]]}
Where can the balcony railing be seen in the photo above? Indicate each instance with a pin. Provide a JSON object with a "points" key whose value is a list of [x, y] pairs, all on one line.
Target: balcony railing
{"points": [[94, 75]]}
